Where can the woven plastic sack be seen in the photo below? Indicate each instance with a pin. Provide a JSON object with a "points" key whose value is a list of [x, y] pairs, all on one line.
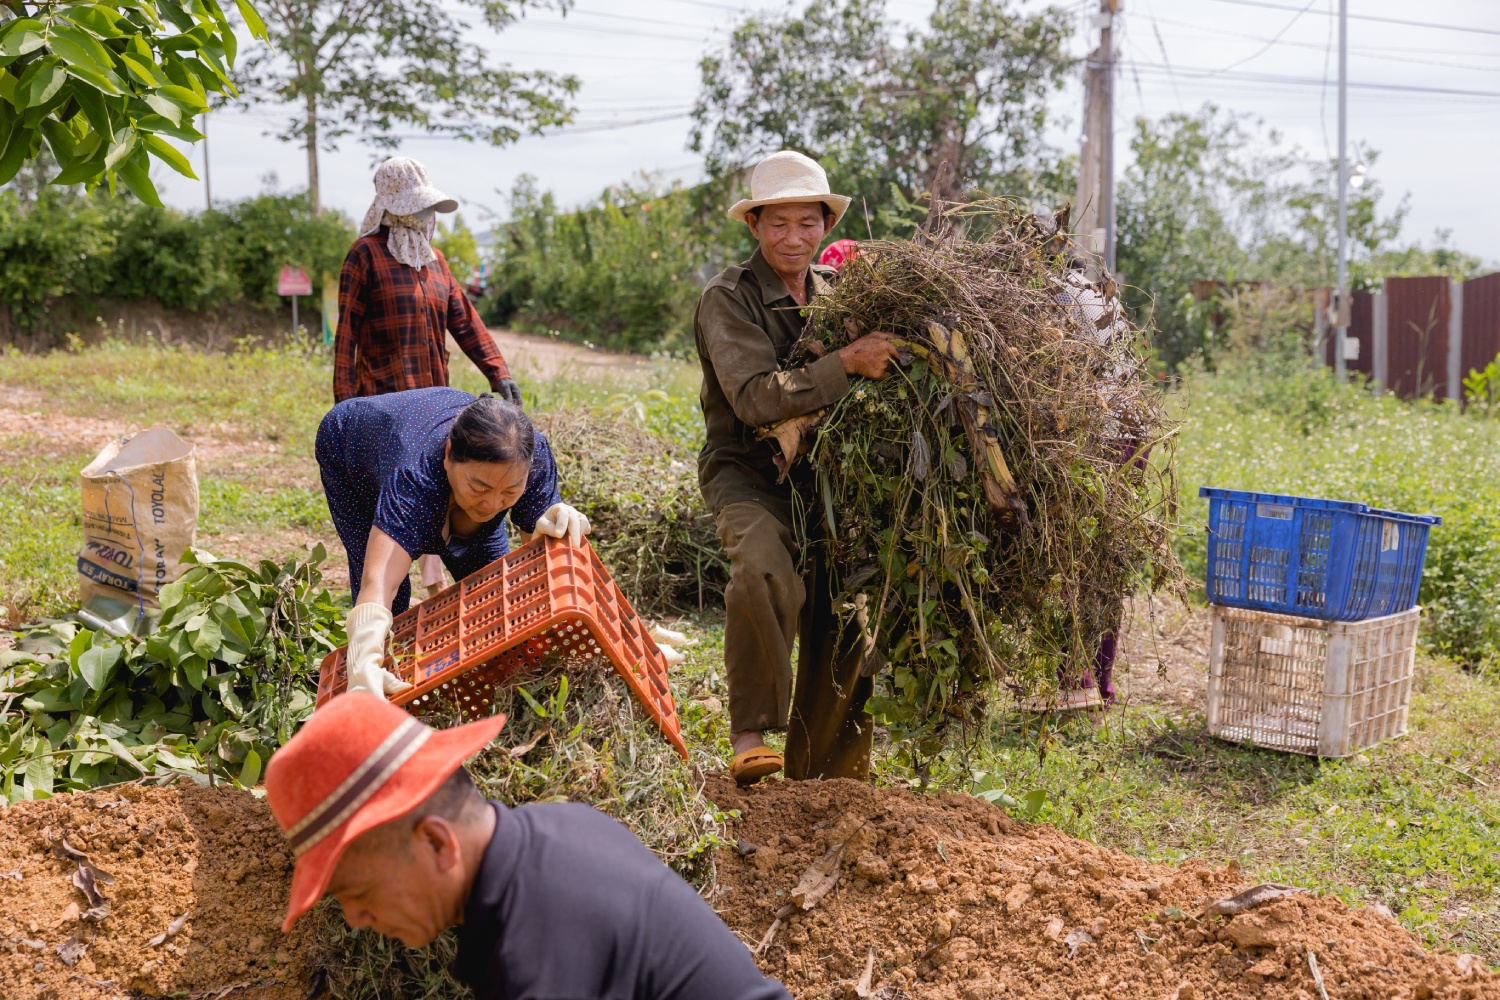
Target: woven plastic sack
{"points": [[140, 513]]}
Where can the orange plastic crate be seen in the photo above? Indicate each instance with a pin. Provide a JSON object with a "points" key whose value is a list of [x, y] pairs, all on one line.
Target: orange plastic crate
{"points": [[544, 599]]}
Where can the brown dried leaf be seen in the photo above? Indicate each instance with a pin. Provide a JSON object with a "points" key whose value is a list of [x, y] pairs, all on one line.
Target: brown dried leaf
{"points": [[515, 753], [1251, 898], [71, 950], [85, 878], [172, 930], [1077, 939], [789, 435], [63, 849], [770, 935], [819, 879], [862, 988]]}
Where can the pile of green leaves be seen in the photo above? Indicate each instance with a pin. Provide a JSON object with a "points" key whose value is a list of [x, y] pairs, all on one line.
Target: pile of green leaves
{"points": [[224, 680], [104, 85], [959, 594]]}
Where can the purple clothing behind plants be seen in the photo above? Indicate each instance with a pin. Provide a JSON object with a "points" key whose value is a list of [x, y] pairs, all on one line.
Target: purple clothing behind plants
{"points": [[1101, 674]]}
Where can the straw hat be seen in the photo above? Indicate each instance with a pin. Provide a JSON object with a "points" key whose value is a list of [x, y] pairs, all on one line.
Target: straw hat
{"points": [[402, 188], [786, 178], [358, 762]]}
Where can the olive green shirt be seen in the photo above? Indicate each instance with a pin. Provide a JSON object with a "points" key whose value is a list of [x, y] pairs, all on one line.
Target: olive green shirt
{"points": [[745, 326]]}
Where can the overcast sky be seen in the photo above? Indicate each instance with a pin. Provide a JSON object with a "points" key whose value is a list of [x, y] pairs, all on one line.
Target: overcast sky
{"points": [[1439, 141]]}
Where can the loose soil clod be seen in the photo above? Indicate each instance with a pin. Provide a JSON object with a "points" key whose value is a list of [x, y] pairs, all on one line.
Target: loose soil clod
{"points": [[197, 889], [959, 902]]}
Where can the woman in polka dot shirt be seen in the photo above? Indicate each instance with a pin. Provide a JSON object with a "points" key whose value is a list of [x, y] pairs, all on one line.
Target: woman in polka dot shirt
{"points": [[429, 471]]}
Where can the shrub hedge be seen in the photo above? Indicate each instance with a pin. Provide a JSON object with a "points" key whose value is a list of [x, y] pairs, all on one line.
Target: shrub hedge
{"points": [[63, 243]]}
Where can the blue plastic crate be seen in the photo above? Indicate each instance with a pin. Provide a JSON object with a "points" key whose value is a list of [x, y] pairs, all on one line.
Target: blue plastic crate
{"points": [[1327, 559]]}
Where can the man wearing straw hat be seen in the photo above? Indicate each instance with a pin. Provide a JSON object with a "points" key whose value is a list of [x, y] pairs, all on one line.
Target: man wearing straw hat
{"points": [[551, 901], [398, 301], [749, 317]]}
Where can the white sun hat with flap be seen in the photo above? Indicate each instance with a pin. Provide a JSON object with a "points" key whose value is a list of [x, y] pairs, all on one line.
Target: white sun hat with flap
{"points": [[787, 178]]}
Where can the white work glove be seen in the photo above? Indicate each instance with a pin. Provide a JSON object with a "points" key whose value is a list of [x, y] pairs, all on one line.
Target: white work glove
{"points": [[563, 521], [667, 637], [364, 660], [667, 641]]}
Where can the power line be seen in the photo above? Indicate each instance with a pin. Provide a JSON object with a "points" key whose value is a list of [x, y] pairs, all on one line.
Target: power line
{"points": [[1270, 41], [623, 17], [1372, 17], [1362, 51], [1201, 72]]}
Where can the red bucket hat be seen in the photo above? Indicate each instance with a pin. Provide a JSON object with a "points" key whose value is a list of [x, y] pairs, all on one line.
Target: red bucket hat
{"points": [[838, 253], [358, 762]]}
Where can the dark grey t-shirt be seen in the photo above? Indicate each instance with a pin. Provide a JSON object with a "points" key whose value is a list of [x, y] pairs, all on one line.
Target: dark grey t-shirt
{"points": [[569, 905]]}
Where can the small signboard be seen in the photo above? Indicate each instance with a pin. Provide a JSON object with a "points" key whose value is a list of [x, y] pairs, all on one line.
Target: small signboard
{"points": [[294, 281]]}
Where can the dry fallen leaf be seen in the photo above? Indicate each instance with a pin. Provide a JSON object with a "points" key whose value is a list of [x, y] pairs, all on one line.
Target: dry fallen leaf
{"points": [[821, 876], [172, 929], [71, 950], [515, 753], [862, 988], [62, 848], [789, 434], [15, 875], [1259, 895], [1077, 939], [770, 935], [85, 879]]}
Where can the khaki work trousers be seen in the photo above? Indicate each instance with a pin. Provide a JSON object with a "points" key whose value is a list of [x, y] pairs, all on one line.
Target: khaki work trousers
{"points": [[829, 734]]}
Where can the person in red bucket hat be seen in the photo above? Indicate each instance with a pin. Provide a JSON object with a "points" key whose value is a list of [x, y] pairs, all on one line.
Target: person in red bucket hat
{"points": [[551, 899], [838, 253]]}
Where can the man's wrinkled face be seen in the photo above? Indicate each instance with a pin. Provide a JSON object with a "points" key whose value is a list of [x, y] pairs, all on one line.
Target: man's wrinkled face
{"points": [[790, 235], [401, 883]]}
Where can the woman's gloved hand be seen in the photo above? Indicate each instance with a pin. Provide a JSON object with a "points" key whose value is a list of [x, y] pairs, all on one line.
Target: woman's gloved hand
{"points": [[367, 627], [563, 521]]}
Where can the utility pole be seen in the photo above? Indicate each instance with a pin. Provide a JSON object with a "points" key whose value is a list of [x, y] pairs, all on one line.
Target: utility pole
{"points": [[208, 190], [1095, 203], [1341, 292], [1107, 43]]}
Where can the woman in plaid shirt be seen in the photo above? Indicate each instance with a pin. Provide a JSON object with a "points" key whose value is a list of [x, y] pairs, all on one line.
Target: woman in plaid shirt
{"points": [[398, 300]]}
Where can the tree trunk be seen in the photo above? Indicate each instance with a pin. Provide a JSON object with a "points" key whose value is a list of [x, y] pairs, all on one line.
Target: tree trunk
{"points": [[312, 149]]}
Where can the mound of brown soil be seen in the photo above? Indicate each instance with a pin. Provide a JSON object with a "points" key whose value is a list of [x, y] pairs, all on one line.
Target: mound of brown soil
{"points": [[215, 856], [955, 900]]}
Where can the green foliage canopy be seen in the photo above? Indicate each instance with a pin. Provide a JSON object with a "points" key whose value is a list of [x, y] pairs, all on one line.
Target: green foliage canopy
{"points": [[619, 272], [103, 85], [65, 243], [1213, 195], [366, 66], [881, 112]]}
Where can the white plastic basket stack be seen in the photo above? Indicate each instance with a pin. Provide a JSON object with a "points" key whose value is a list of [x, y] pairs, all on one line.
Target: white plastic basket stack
{"points": [[1328, 689]]}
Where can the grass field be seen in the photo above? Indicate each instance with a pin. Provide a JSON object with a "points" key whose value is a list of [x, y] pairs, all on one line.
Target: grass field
{"points": [[1413, 823]]}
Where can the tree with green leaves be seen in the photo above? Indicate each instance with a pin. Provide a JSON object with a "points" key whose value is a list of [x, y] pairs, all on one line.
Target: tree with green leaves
{"points": [[104, 85], [1214, 196], [368, 66], [882, 111]]}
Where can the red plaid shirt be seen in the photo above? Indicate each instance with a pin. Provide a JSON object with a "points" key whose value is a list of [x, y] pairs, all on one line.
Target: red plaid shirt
{"points": [[391, 324]]}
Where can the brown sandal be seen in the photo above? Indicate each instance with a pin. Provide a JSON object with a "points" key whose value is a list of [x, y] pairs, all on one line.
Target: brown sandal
{"points": [[1080, 700], [754, 764]]}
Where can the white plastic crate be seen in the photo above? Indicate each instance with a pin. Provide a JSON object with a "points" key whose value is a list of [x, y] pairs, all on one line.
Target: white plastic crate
{"points": [[1328, 689]]}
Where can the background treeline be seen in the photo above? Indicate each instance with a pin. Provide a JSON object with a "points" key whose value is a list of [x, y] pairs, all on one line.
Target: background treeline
{"points": [[57, 242]]}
